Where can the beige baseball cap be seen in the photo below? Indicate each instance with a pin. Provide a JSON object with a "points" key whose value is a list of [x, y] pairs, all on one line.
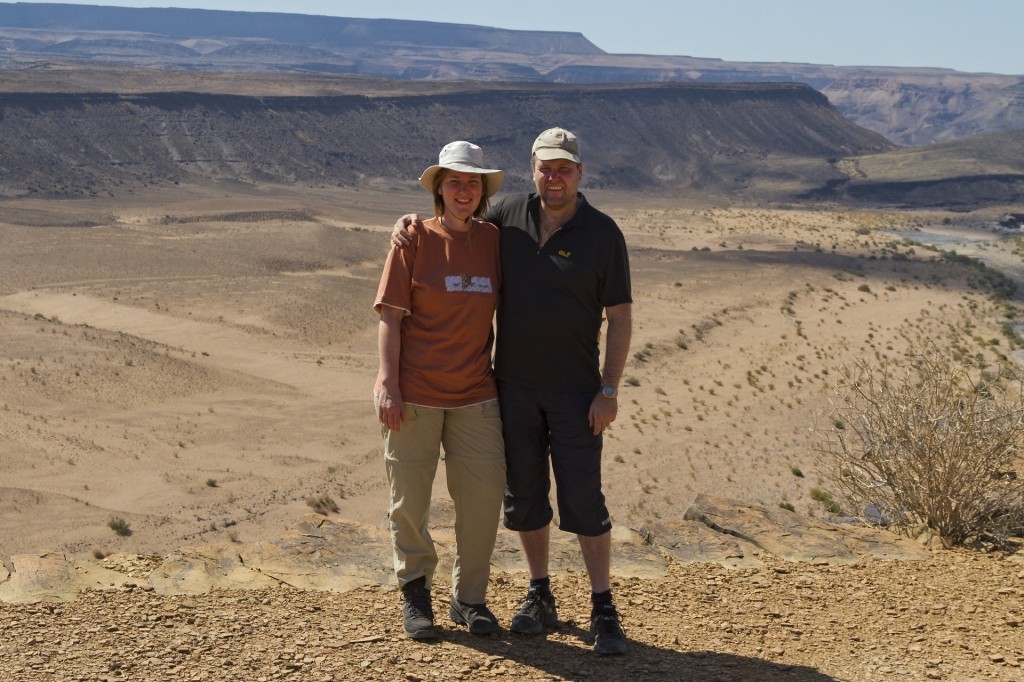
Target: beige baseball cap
{"points": [[556, 143]]}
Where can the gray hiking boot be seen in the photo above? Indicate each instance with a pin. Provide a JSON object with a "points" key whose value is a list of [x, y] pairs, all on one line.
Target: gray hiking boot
{"points": [[477, 617], [417, 613], [607, 631], [538, 613]]}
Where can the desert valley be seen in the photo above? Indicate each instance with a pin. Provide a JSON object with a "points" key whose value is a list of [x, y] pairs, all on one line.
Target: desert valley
{"points": [[197, 363]]}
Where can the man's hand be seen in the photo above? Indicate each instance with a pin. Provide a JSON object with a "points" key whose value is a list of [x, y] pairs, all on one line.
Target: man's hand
{"points": [[400, 235], [620, 327], [602, 413]]}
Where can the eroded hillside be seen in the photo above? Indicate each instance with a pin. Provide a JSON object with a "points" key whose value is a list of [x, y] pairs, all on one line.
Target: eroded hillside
{"points": [[724, 137]]}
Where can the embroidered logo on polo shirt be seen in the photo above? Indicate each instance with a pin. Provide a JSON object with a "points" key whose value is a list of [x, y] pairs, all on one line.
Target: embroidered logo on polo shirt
{"points": [[475, 285], [564, 254]]}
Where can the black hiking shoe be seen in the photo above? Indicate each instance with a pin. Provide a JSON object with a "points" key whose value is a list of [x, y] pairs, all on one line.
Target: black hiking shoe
{"points": [[477, 617], [417, 613], [538, 613], [607, 631]]}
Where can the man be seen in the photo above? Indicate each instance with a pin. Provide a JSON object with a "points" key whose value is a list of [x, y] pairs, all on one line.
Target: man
{"points": [[564, 265]]}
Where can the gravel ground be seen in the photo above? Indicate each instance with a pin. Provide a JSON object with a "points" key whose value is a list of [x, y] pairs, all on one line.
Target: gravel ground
{"points": [[955, 616]]}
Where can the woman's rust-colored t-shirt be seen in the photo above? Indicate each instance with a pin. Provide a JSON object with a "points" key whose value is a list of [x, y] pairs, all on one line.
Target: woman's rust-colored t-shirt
{"points": [[447, 283]]}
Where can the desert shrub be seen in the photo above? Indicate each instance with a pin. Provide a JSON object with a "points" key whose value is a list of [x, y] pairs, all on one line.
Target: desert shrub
{"points": [[999, 285], [930, 442], [322, 504], [119, 526], [826, 499], [1012, 335]]}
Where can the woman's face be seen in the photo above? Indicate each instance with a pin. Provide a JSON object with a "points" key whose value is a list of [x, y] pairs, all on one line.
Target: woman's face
{"points": [[462, 193]]}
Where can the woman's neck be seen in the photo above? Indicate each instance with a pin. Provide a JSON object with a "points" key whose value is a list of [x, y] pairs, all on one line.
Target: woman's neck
{"points": [[455, 224]]}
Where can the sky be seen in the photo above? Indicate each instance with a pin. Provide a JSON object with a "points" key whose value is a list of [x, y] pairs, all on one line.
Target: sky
{"points": [[973, 36]]}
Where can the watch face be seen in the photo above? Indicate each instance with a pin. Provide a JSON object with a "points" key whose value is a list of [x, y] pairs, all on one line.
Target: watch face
{"points": [[609, 391]]}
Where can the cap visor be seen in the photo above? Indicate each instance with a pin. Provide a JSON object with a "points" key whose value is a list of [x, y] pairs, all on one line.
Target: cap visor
{"points": [[552, 154]]}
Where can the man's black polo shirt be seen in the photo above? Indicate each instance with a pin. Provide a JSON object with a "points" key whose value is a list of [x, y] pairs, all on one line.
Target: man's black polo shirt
{"points": [[552, 299]]}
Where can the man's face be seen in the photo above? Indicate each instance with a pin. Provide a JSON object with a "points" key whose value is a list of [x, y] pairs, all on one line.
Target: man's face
{"points": [[557, 181]]}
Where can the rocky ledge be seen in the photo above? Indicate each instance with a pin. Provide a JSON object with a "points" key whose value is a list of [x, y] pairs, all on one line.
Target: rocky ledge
{"points": [[321, 553]]}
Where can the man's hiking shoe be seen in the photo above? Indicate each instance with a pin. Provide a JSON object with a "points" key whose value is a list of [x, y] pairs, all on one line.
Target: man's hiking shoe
{"points": [[417, 613], [607, 631], [477, 617], [538, 613]]}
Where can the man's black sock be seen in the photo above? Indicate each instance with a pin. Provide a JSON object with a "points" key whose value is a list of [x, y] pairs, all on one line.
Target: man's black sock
{"points": [[601, 598], [541, 584]]}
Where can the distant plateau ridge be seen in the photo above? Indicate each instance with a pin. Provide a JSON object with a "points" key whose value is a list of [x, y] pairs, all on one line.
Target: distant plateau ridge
{"points": [[97, 100], [909, 106]]}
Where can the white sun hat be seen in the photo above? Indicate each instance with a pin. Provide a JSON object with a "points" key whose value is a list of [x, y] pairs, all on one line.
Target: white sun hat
{"points": [[464, 157]]}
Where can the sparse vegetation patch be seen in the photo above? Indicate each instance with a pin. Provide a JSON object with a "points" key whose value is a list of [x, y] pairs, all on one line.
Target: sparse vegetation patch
{"points": [[931, 442]]}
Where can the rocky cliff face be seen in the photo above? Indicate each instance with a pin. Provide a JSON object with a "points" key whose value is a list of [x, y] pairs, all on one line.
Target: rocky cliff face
{"points": [[922, 111], [639, 137], [909, 106]]}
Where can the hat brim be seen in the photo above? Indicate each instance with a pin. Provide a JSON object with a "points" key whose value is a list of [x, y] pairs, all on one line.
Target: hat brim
{"points": [[550, 154], [495, 178]]}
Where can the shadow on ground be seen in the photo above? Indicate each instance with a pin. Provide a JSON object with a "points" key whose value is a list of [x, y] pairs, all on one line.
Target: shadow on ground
{"points": [[566, 655]]}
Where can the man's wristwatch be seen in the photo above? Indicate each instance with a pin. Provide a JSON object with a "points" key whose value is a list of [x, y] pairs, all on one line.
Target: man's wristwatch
{"points": [[609, 391]]}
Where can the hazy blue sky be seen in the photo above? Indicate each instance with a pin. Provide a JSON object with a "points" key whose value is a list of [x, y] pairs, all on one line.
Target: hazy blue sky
{"points": [[978, 35]]}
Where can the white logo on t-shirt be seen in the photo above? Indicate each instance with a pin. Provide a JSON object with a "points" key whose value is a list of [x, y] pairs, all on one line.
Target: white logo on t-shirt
{"points": [[477, 285]]}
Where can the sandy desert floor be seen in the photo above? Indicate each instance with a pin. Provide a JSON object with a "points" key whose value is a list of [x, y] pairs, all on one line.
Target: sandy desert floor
{"points": [[198, 363]]}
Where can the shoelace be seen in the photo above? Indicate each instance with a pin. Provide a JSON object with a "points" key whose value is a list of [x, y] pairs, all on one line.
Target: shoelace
{"points": [[606, 621], [534, 600], [419, 603]]}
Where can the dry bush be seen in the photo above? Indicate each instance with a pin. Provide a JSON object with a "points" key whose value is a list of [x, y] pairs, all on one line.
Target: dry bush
{"points": [[119, 526], [932, 442], [322, 504]]}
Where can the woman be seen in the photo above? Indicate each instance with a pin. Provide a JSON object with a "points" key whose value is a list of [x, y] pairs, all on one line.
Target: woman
{"points": [[436, 388]]}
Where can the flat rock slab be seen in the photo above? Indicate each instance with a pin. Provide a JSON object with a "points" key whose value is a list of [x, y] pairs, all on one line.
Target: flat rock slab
{"points": [[52, 576], [320, 553], [793, 537], [689, 542]]}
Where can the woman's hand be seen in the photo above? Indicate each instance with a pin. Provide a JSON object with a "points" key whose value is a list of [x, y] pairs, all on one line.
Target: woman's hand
{"points": [[389, 342], [389, 407]]}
